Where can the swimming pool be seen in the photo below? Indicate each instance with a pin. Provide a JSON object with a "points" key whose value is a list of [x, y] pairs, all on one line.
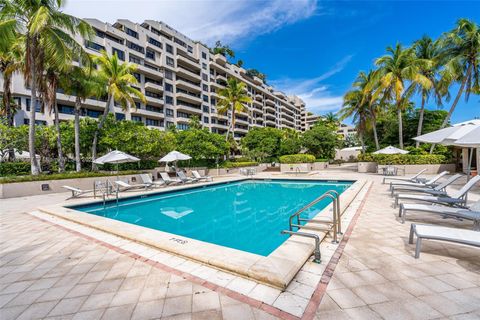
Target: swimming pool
{"points": [[246, 215]]}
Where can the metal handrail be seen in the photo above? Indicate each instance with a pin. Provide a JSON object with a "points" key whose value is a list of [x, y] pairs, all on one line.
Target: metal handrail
{"points": [[316, 252], [332, 194]]}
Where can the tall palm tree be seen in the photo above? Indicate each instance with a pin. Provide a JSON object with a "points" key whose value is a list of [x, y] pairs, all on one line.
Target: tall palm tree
{"points": [[427, 49], [81, 82], [118, 79], [331, 118], [354, 105], [461, 50], [399, 68], [44, 29], [233, 98]]}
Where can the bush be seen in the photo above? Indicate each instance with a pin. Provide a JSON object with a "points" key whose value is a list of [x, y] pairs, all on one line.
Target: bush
{"points": [[297, 158], [14, 168], [403, 158], [230, 165], [61, 176]]}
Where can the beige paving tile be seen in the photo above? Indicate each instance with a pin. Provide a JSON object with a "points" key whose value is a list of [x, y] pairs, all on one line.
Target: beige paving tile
{"points": [[205, 301], [177, 305], [148, 310], [346, 298]]}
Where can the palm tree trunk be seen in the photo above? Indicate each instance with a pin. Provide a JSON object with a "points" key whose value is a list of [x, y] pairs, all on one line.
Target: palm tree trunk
{"points": [[375, 135], [454, 104], [34, 168], [400, 126], [362, 141], [7, 97], [78, 163], [97, 131], [420, 121], [61, 160]]}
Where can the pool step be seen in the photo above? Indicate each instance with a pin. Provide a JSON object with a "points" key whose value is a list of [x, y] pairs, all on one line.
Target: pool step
{"points": [[319, 220], [325, 228]]}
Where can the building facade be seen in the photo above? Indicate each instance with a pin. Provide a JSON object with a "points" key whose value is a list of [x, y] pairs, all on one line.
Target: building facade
{"points": [[180, 79], [310, 119]]}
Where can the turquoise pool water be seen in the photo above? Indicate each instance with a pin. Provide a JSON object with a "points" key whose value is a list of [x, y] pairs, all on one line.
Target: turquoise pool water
{"points": [[246, 215]]}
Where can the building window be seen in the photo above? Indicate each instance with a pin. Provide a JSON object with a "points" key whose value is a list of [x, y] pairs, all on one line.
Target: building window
{"points": [[94, 46], [170, 62], [204, 77], [205, 119], [205, 98], [150, 54], [66, 109], [152, 122], [204, 66], [205, 87], [170, 123], [204, 55], [134, 59], [153, 108], [168, 87], [137, 76], [119, 116], [38, 106], [182, 126], [213, 101], [190, 49], [135, 47], [120, 53], [168, 100], [205, 109], [93, 113], [137, 118], [131, 32], [155, 42], [169, 49], [168, 74], [153, 95], [181, 114], [169, 112]]}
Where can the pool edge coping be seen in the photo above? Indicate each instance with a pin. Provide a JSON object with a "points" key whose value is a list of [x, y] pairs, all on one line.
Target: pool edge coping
{"points": [[276, 270]]}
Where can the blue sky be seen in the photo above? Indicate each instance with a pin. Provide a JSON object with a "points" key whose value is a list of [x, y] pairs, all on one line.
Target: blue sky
{"points": [[310, 48]]}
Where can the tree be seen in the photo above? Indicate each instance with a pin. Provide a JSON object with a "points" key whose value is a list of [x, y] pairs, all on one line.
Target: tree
{"points": [[239, 63], [397, 68], [233, 99], [44, 29], [320, 141], [331, 118], [461, 51], [354, 105], [81, 82], [290, 142], [224, 50], [255, 73], [118, 79], [262, 143], [427, 49]]}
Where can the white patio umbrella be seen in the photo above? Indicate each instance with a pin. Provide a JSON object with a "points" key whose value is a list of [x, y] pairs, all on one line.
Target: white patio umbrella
{"points": [[391, 150], [174, 156], [116, 157], [465, 134]]}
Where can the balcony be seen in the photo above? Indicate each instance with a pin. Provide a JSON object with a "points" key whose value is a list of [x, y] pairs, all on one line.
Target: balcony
{"points": [[221, 78], [150, 70], [187, 85], [270, 108], [270, 116], [258, 97], [186, 73], [151, 114], [152, 86], [190, 62], [270, 123], [189, 97], [181, 107], [154, 100], [221, 60], [257, 80], [270, 102]]}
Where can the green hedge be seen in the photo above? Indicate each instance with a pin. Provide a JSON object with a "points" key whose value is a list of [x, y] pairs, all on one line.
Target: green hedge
{"points": [[14, 168], [229, 165], [62, 176], [403, 158], [297, 158]]}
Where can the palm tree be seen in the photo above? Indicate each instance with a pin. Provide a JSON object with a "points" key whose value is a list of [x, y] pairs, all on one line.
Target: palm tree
{"points": [[118, 79], [396, 69], [224, 50], [233, 98], [427, 49], [354, 105], [461, 50], [331, 118], [82, 83], [44, 29]]}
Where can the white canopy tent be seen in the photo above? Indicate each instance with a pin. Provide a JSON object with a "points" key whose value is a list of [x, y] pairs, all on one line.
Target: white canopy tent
{"points": [[465, 134], [391, 150]]}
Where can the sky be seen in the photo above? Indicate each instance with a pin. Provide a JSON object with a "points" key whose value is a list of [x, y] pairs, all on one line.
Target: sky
{"points": [[313, 49]]}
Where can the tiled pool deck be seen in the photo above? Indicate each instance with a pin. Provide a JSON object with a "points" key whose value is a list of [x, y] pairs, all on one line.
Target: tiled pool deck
{"points": [[56, 269]]}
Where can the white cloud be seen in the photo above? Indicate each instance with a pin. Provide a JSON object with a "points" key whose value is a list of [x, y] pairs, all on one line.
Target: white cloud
{"points": [[316, 95], [208, 21]]}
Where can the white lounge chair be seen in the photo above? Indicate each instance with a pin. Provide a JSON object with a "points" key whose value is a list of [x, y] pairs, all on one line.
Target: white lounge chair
{"points": [[458, 199], [76, 192], [147, 179], [183, 177], [411, 179], [124, 186], [455, 235], [470, 213], [166, 178], [199, 177], [439, 189], [429, 183]]}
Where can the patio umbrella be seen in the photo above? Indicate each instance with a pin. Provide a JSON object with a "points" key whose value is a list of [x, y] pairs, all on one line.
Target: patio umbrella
{"points": [[391, 150], [464, 134], [174, 156], [116, 157]]}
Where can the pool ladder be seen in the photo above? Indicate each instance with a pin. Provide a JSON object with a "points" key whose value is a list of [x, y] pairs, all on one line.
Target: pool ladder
{"points": [[334, 223]]}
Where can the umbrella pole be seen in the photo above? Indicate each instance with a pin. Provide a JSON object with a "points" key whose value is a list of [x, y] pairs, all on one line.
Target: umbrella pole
{"points": [[470, 158]]}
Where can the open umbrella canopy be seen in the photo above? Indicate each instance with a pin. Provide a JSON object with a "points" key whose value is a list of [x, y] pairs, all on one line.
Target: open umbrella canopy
{"points": [[175, 156], [449, 136], [471, 139], [116, 157], [391, 150]]}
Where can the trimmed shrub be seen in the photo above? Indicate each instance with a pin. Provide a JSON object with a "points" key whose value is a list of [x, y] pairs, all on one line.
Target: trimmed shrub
{"points": [[297, 158], [402, 158], [230, 165], [14, 168], [61, 176]]}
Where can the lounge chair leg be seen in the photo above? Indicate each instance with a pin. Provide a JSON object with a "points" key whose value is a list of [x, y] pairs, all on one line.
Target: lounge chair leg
{"points": [[400, 210], [396, 202], [418, 248], [410, 238]]}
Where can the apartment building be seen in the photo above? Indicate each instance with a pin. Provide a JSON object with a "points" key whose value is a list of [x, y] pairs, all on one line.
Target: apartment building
{"points": [[180, 79]]}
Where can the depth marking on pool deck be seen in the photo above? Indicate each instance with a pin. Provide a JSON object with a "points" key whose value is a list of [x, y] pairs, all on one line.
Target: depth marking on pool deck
{"points": [[314, 301]]}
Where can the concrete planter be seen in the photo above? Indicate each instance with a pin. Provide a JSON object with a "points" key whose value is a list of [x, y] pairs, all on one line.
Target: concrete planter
{"points": [[297, 167], [364, 167], [320, 165], [31, 188]]}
